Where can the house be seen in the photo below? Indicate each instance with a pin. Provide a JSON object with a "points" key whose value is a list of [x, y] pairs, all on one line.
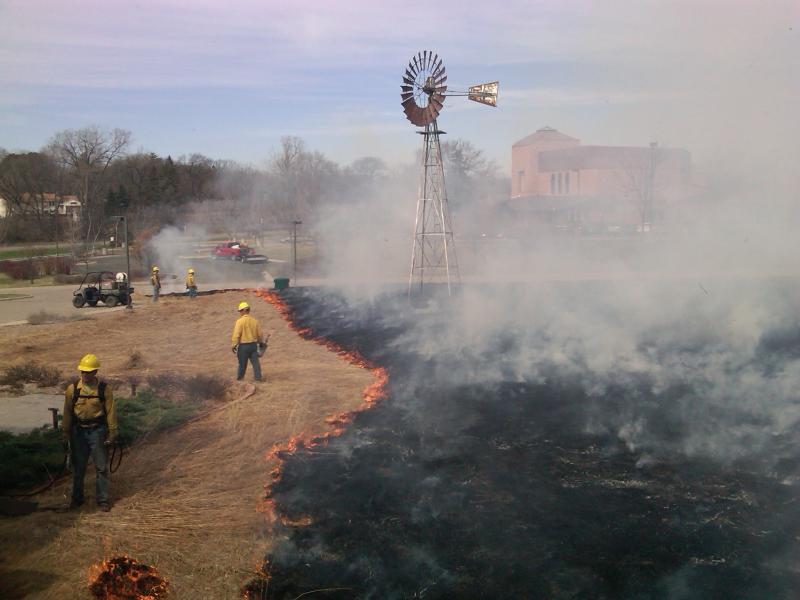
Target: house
{"points": [[45, 203]]}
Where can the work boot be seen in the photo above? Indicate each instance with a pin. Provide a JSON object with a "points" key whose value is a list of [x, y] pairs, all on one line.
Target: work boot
{"points": [[105, 506]]}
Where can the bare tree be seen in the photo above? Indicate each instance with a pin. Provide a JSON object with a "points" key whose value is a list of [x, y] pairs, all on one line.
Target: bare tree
{"points": [[300, 180], [86, 155], [638, 180]]}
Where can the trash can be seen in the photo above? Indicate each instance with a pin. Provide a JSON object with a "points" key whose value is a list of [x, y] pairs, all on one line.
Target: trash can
{"points": [[281, 283]]}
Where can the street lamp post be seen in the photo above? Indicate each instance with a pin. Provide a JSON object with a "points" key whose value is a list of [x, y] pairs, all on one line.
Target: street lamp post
{"points": [[127, 266], [124, 221], [295, 223]]}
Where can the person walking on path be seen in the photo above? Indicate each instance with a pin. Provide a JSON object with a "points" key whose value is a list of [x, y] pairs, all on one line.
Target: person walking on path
{"points": [[248, 343], [90, 427], [191, 284], [155, 280]]}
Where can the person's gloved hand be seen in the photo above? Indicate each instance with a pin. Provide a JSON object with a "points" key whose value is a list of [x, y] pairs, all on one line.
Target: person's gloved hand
{"points": [[110, 442], [234, 349]]}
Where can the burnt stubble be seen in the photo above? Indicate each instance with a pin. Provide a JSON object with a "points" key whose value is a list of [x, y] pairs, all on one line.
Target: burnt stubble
{"points": [[464, 486]]}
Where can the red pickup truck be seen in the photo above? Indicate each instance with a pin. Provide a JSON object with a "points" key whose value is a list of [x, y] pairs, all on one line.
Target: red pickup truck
{"points": [[237, 251], [232, 251]]}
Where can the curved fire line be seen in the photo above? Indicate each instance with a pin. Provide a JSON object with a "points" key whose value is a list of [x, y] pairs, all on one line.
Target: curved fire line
{"points": [[371, 394]]}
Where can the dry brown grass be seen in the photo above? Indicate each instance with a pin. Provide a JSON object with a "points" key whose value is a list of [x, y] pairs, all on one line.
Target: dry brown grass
{"points": [[184, 502]]}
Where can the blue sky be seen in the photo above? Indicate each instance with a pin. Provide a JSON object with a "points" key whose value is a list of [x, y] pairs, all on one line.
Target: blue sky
{"points": [[229, 79]]}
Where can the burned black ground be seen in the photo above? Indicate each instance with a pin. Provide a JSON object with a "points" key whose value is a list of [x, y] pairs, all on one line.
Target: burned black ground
{"points": [[509, 488]]}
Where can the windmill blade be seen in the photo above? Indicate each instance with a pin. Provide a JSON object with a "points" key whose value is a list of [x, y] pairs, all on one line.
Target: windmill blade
{"points": [[406, 88], [425, 59], [441, 90], [434, 65], [441, 81], [414, 59]]}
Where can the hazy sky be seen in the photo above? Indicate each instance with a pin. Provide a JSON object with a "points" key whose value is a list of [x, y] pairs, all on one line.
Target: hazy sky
{"points": [[228, 79]]}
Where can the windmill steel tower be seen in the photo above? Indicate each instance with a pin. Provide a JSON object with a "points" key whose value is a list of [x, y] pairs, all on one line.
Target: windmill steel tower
{"points": [[433, 251]]}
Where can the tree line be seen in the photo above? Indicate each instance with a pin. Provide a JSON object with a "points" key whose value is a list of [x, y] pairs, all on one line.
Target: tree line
{"points": [[96, 166]]}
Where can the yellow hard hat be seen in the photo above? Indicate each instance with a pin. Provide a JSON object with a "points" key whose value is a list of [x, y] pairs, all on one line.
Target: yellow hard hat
{"points": [[191, 270], [243, 305], [155, 268], [89, 363]]}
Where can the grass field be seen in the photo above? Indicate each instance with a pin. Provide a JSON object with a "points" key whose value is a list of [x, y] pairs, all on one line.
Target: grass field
{"points": [[29, 252], [8, 282]]}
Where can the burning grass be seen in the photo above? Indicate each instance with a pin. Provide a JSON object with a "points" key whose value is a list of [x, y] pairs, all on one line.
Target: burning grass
{"points": [[124, 578], [371, 395]]}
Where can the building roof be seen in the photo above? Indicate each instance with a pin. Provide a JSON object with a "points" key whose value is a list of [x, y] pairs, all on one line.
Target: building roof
{"points": [[545, 134]]}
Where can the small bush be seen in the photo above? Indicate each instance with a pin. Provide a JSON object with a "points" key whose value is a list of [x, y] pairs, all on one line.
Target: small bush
{"points": [[165, 384], [31, 373], [149, 413], [43, 317], [135, 360], [203, 387], [27, 459], [196, 388]]}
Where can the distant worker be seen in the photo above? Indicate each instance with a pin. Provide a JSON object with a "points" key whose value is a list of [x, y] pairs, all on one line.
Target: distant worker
{"points": [[155, 280], [248, 342], [191, 284], [90, 426]]}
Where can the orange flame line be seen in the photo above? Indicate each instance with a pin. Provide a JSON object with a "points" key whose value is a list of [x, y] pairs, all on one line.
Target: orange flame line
{"points": [[371, 394]]}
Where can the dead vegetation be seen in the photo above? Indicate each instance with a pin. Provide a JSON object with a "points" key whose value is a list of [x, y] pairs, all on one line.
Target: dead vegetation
{"points": [[42, 317], [135, 360], [185, 501], [16, 376]]}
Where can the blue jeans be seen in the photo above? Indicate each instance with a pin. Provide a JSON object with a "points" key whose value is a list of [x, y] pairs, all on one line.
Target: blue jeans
{"points": [[248, 351], [86, 442], [156, 290], [192, 292]]}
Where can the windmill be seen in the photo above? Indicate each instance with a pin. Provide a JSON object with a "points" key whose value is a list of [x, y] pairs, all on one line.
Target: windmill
{"points": [[433, 252]]}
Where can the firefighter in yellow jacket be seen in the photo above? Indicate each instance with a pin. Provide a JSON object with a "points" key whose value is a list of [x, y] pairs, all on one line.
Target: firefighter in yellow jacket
{"points": [[90, 425], [191, 284], [247, 341], [155, 281]]}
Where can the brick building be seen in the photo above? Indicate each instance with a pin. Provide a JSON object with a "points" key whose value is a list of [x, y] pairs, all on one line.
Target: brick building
{"points": [[555, 180]]}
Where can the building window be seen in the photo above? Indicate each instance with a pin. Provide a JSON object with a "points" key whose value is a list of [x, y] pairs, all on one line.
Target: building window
{"points": [[552, 183], [566, 183], [560, 183]]}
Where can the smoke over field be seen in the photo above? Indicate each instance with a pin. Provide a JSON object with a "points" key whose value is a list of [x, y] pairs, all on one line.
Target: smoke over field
{"points": [[560, 441]]}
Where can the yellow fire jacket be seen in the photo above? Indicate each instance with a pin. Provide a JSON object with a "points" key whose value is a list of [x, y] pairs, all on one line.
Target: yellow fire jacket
{"points": [[88, 407], [155, 280], [247, 329], [190, 280]]}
